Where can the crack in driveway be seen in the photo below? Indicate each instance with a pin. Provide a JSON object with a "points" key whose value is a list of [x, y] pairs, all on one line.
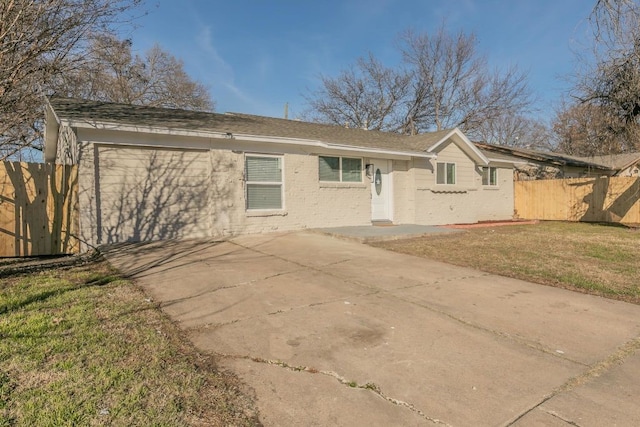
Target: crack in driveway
{"points": [[235, 285], [372, 387], [318, 269], [440, 377], [594, 371], [209, 326], [504, 335], [556, 415], [616, 358]]}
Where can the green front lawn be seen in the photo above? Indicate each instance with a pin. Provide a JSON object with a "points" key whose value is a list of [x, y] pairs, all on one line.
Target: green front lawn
{"points": [[81, 346], [597, 259]]}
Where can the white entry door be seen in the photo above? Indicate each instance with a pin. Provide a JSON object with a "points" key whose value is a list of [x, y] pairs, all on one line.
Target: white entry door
{"points": [[381, 191]]}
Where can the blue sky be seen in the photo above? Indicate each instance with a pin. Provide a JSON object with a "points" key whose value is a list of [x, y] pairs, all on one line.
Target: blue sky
{"points": [[255, 56]]}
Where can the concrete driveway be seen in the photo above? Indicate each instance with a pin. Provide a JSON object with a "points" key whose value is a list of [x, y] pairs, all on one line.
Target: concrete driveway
{"points": [[332, 332]]}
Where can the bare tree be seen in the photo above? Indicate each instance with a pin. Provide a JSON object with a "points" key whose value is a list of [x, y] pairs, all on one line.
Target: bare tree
{"points": [[444, 68], [608, 85], [38, 40], [612, 21], [587, 129], [110, 72], [368, 95], [453, 85], [517, 131], [443, 83]]}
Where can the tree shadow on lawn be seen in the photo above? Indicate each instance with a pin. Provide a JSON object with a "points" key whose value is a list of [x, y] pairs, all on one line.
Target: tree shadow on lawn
{"points": [[25, 299]]}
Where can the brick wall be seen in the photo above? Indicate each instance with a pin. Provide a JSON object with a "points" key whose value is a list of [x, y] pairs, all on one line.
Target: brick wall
{"points": [[310, 203], [142, 193], [201, 190]]}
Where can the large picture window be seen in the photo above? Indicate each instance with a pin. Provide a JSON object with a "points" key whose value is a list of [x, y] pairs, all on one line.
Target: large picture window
{"points": [[263, 176], [445, 173], [340, 169], [490, 176]]}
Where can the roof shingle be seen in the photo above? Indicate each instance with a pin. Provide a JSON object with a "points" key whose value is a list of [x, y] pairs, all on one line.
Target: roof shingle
{"points": [[614, 161], [550, 157], [76, 110]]}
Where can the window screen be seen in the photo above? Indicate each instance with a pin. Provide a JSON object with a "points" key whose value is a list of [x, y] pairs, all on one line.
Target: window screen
{"points": [[264, 182]]}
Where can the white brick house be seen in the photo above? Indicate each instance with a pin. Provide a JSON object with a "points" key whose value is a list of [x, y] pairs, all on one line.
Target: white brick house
{"points": [[150, 173]]}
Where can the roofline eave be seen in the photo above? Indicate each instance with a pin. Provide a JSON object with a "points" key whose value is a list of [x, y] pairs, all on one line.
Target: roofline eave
{"points": [[505, 161], [547, 158], [457, 132], [627, 165], [100, 125]]}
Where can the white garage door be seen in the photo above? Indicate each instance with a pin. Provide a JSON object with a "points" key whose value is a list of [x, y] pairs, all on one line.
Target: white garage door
{"points": [[151, 194]]}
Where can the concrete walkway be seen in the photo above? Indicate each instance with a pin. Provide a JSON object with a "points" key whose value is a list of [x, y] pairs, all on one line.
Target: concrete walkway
{"points": [[331, 332], [370, 233]]}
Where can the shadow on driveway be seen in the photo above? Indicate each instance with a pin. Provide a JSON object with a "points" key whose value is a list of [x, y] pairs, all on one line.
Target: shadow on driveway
{"points": [[333, 332]]}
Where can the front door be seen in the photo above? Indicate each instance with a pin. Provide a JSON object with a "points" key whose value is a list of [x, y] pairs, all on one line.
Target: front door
{"points": [[381, 191]]}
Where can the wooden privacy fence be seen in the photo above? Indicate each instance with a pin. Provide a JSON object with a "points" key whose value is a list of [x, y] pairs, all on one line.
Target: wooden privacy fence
{"points": [[38, 209], [602, 199]]}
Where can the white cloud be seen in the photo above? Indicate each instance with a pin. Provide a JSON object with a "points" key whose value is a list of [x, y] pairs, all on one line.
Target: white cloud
{"points": [[214, 62], [220, 73], [264, 66]]}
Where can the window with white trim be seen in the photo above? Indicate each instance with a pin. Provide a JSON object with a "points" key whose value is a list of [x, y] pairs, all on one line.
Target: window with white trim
{"points": [[489, 176], [339, 169], [445, 173], [263, 176]]}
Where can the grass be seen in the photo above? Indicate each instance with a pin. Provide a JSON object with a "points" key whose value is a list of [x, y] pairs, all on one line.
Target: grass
{"points": [[597, 259], [81, 346]]}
